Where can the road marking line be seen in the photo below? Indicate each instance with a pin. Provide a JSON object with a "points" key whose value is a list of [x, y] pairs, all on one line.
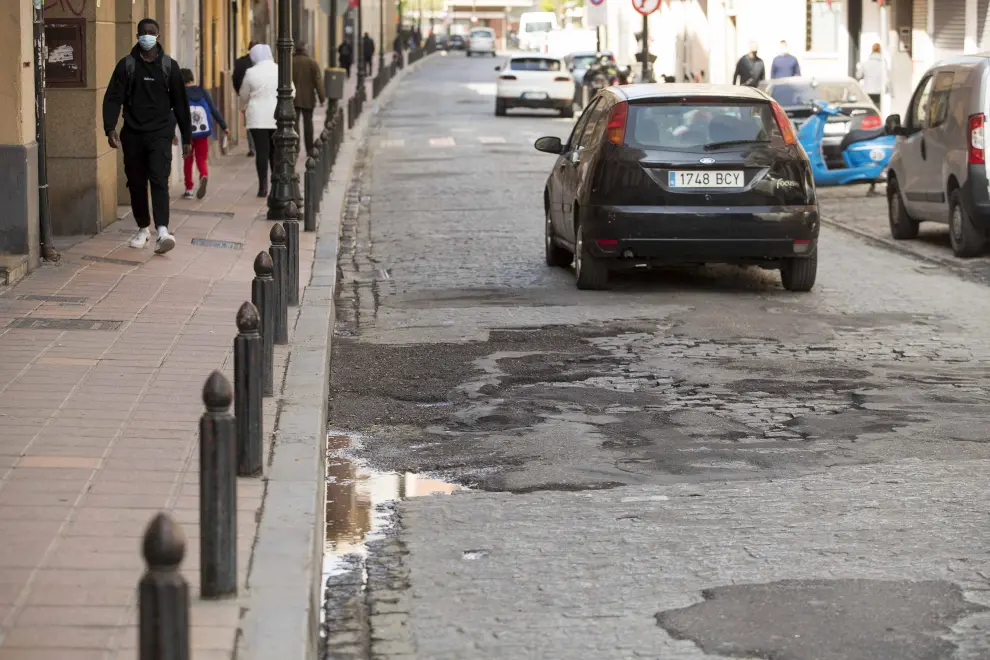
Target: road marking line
{"points": [[442, 142], [491, 140], [392, 144]]}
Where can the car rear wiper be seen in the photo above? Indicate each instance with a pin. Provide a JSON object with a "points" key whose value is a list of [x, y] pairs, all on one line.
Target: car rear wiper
{"points": [[733, 143]]}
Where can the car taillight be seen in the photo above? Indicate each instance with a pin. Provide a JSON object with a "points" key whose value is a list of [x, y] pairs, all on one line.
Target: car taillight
{"points": [[783, 123], [506, 77], [562, 79], [871, 122], [615, 131], [976, 153]]}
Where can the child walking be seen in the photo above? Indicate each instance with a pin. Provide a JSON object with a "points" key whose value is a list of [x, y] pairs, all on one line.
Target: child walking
{"points": [[204, 113]]}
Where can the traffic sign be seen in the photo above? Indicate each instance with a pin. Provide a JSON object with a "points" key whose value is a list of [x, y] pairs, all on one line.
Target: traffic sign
{"points": [[646, 7], [596, 2]]}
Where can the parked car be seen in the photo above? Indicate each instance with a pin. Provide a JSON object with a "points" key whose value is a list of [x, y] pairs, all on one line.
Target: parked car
{"points": [[938, 172], [857, 110], [443, 42], [481, 41], [534, 81], [579, 62], [681, 173], [457, 42]]}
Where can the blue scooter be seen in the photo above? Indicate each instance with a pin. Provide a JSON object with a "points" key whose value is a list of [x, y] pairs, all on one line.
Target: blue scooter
{"points": [[866, 153]]}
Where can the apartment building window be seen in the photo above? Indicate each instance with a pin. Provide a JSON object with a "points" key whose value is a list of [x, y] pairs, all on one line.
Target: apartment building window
{"points": [[824, 21]]}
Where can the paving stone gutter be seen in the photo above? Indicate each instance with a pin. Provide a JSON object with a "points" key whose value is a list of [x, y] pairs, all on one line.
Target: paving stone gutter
{"points": [[281, 611]]}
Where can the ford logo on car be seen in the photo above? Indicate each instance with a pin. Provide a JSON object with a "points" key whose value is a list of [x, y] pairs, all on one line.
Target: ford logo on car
{"points": [[707, 161]]}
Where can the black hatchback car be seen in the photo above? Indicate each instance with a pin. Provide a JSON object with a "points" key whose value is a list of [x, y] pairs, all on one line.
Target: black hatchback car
{"points": [[667, 174]]}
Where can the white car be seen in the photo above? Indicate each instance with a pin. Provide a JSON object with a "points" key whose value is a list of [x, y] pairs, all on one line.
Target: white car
{"points": [[534, 81], [481, 41]]}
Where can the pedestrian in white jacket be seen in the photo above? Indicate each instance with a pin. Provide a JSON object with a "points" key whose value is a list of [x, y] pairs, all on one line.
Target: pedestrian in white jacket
{"points": [[259, 96], [874, 74]]}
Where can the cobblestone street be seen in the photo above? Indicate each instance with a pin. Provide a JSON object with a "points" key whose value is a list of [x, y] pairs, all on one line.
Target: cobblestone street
{"points": [[696, 463]]}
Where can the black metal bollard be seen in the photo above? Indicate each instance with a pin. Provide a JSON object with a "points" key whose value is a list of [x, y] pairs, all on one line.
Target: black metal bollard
{"points": [[217, 491], [163, 595], [280, 270], [291, 224], [312, 188], [263, 297], [248, 397]]}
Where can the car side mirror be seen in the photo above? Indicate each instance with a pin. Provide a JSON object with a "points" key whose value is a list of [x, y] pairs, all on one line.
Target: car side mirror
{"points": [[498, 68], [893, 125], [549, 145]]}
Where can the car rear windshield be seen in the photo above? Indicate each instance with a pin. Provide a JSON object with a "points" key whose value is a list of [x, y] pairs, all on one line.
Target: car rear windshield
{"points": [[585, 61], [534, 64], [481, 33], [792, 94], [693, 126], [539, 27]]}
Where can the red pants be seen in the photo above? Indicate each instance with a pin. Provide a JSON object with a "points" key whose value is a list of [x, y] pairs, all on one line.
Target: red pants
{"points": [[200, 150]]}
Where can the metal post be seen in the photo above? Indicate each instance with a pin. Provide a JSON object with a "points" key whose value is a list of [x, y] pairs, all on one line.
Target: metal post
{"points": [[646, 77], [163, 595], [48, 251], [248, 397], [280, 263], [318, 157], [285, 138], [381, 38], [263, 297], [217, 491], [332, 31], [291, 225], [309, 210]]}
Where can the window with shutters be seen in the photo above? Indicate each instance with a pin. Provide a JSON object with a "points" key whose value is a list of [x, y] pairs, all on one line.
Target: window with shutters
{"points": [[950, 26], [824, 22]]}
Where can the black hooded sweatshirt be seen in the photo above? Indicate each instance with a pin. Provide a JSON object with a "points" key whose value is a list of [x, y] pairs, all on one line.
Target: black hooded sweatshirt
{"points": [[152, 105]]}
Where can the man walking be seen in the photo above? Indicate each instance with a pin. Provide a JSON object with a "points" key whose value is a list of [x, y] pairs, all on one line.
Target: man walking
{"points": [[784, 65], [368, 51], [345, 53], [750, 70], [308, 79], [148, 85], [241, 65]]}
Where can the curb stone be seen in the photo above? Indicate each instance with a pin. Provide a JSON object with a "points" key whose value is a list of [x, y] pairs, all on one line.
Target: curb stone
{"points": [[282, 606]]}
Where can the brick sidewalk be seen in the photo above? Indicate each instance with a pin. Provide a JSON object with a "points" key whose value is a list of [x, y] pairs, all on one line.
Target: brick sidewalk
{"points": [[102, 363]]}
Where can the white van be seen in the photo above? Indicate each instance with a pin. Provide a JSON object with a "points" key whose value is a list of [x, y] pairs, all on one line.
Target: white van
{"points": [[534, 26]]}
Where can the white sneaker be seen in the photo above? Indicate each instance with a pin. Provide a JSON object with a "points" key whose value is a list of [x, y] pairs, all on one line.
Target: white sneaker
{"points": [[140, 238], [165, 241]]}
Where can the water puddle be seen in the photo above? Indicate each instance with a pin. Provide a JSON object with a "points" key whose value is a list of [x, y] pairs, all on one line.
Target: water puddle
{"points": [[354, 492]]}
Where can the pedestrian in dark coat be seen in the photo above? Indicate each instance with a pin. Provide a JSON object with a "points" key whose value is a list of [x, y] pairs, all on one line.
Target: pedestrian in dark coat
{"points": [[368, 51], [345, 54], [750, 70], [147, 85], [308, 79]]}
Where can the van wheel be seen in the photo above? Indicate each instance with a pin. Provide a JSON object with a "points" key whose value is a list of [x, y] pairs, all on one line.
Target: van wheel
{"points": [[556, 255], [568, 112], [902, 226], [591, 273], [967, 241], [500, 107], [799, 274]]}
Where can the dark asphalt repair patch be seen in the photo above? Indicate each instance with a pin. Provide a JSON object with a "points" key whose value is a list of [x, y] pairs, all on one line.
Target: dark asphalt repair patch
{"points": [[824, 620]]}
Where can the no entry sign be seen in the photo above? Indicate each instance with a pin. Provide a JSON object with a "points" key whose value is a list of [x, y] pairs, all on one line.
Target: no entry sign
{"points": [[646, 7]]}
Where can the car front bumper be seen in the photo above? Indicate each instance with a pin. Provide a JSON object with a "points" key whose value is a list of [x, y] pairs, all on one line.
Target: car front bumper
{"points": [[693, 234]]}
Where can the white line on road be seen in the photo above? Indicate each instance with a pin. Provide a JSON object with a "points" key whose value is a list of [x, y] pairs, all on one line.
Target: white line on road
{"points": [[491, 140], [392, 144], [442, 142]]}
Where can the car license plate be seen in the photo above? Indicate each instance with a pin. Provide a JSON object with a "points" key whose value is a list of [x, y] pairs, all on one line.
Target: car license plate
{"points": [[706, 179], [836, 128], [535, 96]]}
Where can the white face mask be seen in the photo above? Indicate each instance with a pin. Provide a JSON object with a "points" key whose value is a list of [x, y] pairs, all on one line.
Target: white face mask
{"points": [[147, 41]]}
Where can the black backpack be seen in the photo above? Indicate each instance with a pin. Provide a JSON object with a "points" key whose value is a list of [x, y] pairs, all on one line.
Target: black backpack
{"points": [[130, 64]]}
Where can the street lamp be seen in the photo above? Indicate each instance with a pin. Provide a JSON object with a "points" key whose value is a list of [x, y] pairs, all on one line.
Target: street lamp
{"points": [[285, 182]]}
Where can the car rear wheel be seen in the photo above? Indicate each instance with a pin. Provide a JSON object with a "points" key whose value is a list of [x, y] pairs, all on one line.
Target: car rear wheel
{"points": [[568, 112], [556, 255], [967, 241], [500, 107], [799, 274], [902, 226], [591, 273]]}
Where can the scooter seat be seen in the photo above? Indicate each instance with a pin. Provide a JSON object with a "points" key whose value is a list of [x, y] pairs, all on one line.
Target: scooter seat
{"points": [[852, 137]]}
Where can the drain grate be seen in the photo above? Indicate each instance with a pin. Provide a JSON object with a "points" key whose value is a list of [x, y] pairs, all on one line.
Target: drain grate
{"points": [[108, 260], [58, 299], [209, 242], [205, 214], [41, 323]]}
